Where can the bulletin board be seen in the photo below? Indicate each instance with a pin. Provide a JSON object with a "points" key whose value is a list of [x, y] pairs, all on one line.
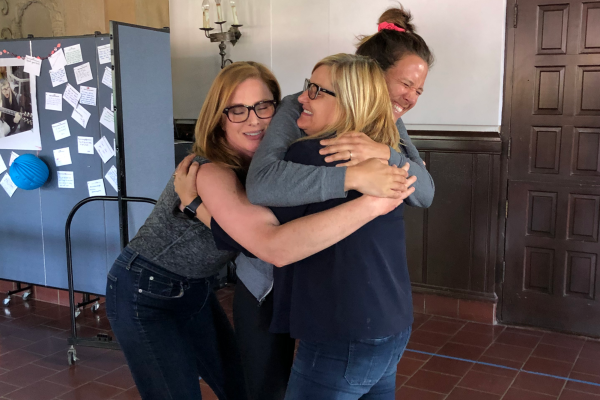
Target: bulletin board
{"points": [[32, 222]]}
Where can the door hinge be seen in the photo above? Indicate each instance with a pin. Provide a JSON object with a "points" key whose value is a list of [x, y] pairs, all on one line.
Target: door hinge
{"points": [[509, 147], [506, 209], [516, 15]]}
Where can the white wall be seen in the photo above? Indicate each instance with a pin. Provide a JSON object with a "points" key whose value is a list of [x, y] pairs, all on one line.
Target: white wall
{"points": [[463, 90]]}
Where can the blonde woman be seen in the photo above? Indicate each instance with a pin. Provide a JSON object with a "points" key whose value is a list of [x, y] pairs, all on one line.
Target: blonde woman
{"points": [[159, 299], [350, 304]]}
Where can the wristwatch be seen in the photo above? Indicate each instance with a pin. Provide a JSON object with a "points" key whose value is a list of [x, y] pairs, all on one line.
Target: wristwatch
{"points": [[190, 209]]}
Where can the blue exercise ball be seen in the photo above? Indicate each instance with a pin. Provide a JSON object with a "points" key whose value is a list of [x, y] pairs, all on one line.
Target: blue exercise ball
{"points": [[29, 172]]}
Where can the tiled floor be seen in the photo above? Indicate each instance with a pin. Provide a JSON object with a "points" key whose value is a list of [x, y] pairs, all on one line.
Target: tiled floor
{"points": [[33, 360]]}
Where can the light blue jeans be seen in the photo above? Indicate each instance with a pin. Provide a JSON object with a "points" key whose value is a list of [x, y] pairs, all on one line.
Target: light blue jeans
{"points": [[360, 369]]}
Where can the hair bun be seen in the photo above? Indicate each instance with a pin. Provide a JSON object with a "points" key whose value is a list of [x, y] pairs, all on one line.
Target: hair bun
{"points": [[400, 17]]}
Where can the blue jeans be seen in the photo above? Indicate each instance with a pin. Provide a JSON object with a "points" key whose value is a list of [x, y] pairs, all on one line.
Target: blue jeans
{"points": [[172, 331], [360, 369]]}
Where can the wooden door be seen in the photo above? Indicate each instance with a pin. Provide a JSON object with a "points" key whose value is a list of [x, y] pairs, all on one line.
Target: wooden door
{"points": [[552, 249]]}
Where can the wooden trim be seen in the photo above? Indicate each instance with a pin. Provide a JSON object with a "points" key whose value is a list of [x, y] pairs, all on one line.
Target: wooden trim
{"points": [[457, 141], [454, 293], [505, 133]]}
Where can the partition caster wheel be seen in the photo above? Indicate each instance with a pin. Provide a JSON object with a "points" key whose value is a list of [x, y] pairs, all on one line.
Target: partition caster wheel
{"points": [[6, 301], [26, 295], [77, 312], [72, 355], [96, 307]]}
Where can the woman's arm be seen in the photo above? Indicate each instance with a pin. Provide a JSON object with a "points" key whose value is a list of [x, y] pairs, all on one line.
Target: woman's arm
{"points": [[277, 183], [257, 229], [362, 147]]}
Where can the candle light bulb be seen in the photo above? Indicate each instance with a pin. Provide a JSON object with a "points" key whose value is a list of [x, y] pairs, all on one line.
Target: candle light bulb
{"points": [[219, 11], [205, 15], [234, 13]]}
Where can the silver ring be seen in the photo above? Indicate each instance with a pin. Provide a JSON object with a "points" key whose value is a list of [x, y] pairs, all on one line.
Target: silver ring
{"points": [[350, 154]]}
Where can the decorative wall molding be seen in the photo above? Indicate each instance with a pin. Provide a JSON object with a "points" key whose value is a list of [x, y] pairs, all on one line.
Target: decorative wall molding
{"points": [[4, 9], [56, 17]]}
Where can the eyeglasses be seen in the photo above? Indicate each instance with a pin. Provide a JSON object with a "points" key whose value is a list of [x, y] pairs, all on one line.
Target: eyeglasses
{"points": [[240, 113], [314, 89]]}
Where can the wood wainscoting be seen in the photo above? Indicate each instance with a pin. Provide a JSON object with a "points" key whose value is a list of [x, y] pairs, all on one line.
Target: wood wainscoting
{"points": [[452, 246]]}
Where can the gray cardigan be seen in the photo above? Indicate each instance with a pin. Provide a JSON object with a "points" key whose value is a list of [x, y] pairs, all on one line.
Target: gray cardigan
{"points": [[274, 182]]}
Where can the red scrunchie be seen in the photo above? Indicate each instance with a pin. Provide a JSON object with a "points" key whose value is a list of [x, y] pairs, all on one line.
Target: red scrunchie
{"points": [[389, 26]]}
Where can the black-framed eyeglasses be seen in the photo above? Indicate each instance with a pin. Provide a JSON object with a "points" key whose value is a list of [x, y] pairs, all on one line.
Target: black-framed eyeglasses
{"points": [[240, 113], [313, 90]]}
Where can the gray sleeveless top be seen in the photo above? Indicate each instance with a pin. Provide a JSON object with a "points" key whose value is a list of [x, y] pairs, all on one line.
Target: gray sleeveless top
{"points": [[177, 243]]}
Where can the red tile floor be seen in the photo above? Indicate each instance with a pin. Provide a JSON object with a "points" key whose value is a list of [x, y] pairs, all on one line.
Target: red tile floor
{"points": [[439, 363]]}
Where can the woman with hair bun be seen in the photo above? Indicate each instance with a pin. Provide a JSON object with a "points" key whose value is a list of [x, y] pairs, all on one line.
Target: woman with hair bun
{"points": [[405, 60]]}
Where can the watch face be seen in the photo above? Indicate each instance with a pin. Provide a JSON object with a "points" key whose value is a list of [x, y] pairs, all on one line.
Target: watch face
{"points": [[189, 212]]}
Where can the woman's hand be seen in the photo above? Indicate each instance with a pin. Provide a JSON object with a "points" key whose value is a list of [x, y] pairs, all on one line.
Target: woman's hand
{"points": [[355, 147], [374, 177], [185, 180], [384, 205]]}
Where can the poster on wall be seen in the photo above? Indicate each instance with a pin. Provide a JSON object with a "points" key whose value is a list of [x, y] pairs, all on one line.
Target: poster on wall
{"points": [[19, 127]]}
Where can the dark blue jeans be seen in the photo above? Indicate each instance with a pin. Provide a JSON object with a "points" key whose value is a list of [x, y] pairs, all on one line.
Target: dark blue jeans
{"points": [[360, 369], [172, 331]]}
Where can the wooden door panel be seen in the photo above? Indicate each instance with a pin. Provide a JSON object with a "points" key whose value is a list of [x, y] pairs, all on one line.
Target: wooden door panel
{"points": [[552, 257], [590, 28]]}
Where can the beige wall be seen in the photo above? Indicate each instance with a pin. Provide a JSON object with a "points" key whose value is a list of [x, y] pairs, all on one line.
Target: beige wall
{"points": [[77, 17]]}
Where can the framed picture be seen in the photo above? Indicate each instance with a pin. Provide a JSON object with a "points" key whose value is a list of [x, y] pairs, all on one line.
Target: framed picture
{"points": [[19, 124]]}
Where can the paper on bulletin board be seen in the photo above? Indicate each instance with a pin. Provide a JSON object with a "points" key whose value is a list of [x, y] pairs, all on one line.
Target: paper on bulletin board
{"points": [[62, 157], [33, 65], [88, 95], [81, 115], [66, 180], [85, 144], [8, 185], [13, 157], [61, 130], [57, 60], [108, 119], [2, 165], [58, 77], [83, 73], [54, 101], [107, 77], [73, 54], [23, 134], [71, 95], [104, 150], [96, 188], [104, 54], [111, 177]]}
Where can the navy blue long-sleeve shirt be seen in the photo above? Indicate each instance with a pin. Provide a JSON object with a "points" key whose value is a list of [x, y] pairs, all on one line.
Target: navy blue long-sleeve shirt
{"points": [[358, 288]]}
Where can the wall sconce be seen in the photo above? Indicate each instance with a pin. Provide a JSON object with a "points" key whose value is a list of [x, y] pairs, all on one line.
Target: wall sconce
{"points": [[232, 35]]}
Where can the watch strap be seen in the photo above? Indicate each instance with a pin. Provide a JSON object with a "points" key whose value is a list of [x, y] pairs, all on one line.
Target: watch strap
{"points": [[190, 209]]}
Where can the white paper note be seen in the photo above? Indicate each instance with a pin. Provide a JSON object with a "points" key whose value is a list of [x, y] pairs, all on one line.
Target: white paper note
{"points": [[112, 105], [108, 119], [83, 73], [111, 177], [33, 65], [85, 144], [104, 54], [88, 95], [104, 150], [58, 77], [96, 188], [2, 165], [8, 185], [71, 95], [66, 180], [107, 78], [13, 157], [53, 101], [81, 115], [57, 60], [73, 54], [62, 156], [61, 130]]}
